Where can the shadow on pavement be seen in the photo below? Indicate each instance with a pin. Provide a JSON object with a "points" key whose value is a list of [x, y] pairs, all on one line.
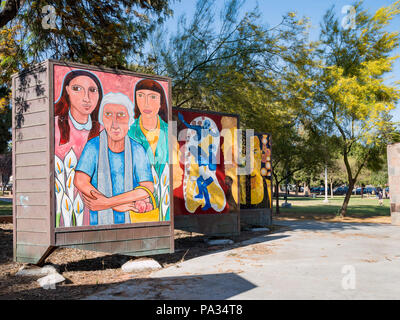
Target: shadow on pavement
{"points": [[309, 225], [202, 287]]}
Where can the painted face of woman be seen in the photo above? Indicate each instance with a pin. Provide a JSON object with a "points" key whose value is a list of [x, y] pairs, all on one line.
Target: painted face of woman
{"points": [[116, 121], [83, 95], [149, 103]]}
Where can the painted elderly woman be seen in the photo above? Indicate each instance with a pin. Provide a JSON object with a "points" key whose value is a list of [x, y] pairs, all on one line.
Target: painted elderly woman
{"points": [[114, 172], [151, 131]]}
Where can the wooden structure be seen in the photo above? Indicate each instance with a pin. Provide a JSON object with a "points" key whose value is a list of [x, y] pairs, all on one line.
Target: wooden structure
{"points": [[393, 155], [35, 232]]}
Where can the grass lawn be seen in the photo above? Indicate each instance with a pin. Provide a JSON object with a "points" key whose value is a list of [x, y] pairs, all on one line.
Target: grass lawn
{"points": [[358, 207], [5, 208]]}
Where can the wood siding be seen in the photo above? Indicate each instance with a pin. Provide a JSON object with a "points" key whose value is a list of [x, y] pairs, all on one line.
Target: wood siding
{"points": [[31, 149], [138, 241]]}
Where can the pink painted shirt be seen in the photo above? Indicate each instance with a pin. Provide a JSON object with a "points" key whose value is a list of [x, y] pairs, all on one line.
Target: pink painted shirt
{"points": [[77, 141]]}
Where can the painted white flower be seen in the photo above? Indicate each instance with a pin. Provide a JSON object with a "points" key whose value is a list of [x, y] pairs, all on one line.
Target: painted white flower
{"points": [[157, 190], [59, 189], [70, 162], [66, 209], [69, 185], [165, 203], [164, 181], [59, 170], [78, 210]]}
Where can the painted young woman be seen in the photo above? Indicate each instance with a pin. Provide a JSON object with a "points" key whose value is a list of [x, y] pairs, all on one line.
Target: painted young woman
{"points": [[77, 112], [76, 122], [151, 126]]}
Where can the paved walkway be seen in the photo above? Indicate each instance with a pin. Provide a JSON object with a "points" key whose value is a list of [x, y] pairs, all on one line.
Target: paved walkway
{"points": [[312, 260]]}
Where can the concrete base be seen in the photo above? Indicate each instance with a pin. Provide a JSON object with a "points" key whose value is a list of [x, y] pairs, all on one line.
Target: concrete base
{"points": [[255, 217], [219, 225]]}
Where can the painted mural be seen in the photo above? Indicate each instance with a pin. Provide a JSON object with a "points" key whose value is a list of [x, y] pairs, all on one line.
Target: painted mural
{"points": [[256, 188], [111, 148], [205, 168]]}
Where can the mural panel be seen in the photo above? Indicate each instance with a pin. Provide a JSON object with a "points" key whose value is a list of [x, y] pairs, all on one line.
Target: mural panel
{"points": [[111, 148], [205, 163], [256, 188]]}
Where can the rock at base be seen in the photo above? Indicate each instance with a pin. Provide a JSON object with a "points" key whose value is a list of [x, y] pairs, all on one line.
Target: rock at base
{"points": [[140, 265], [219, 242], [27, 271], [50, 281]]}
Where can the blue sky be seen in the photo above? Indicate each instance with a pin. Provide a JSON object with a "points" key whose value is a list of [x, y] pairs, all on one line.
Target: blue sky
{"points": [[271, 12]]}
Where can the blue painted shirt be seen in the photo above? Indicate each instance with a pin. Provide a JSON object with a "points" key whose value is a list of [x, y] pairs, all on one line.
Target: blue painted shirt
{"points": [[141, 170]]}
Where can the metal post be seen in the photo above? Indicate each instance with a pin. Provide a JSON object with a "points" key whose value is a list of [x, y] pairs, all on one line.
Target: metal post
{"points": [[326, 185]]}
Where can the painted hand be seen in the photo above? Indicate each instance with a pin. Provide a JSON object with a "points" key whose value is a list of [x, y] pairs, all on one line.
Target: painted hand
{"points": [[126, 207], [97, 201]]}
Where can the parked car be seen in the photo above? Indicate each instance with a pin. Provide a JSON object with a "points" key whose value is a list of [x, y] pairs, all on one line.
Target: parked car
{"points": [[341, 190], [366, 190], [370, 190]]}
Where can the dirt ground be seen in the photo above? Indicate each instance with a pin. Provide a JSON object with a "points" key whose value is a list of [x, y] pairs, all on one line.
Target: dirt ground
{"points": [[87, 272]]}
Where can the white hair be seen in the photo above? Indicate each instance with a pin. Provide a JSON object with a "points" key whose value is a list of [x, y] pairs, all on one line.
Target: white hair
{"points": [[117, 98]]}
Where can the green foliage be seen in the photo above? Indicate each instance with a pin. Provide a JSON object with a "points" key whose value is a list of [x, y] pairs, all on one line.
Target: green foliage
{"points": [[5, 168], [353, 97], [95, 32], [5, 119], [241, 66]]}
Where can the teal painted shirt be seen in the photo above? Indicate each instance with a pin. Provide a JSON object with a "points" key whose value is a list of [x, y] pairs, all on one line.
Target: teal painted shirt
{"points": [[161, 157]]}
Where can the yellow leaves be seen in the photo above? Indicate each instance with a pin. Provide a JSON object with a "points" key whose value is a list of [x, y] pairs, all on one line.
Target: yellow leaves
{"points": [[363, 97], [385, 14], [2, 103]]}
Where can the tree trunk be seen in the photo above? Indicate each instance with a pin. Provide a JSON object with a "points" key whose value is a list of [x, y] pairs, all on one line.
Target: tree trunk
{"points": [[343, 210], [306, 190], [276, 196]]}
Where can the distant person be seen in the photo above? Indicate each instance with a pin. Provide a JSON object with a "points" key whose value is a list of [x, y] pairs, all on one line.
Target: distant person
{"points": [[380, 197]]}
